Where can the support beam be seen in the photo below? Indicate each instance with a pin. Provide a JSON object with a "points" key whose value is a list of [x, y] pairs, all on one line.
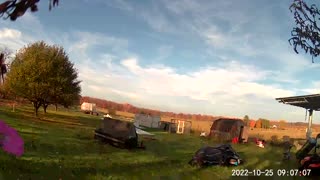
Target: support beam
{"points": [[310, 118]]}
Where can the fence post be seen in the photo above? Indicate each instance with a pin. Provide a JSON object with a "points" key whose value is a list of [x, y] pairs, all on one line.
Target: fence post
{"points": [[13, 107]]}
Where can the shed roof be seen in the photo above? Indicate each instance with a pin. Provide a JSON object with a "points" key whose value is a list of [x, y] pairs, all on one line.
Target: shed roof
{"points": [[226, 118], [307, 101]]}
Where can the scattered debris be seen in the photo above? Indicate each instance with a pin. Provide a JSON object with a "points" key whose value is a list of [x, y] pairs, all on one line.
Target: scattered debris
{"points": [[223, 155], [108, 116], [261, 143], [235, 140], [203, 134]]}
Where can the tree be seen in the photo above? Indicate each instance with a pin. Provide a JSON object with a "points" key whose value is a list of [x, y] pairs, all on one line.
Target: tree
{"points": [[43, 75], [306, 34], [17, 8], [252, 124], [65, 88], [246, 120], [264, 123], [282, 124], [258, 124]]}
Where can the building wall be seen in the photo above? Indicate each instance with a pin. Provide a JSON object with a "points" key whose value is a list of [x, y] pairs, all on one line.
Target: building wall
{"points": [[147, 120]]}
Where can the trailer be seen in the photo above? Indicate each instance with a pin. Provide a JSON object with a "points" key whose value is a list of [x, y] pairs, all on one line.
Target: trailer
{"points": [[119, 133], [89, 108]]}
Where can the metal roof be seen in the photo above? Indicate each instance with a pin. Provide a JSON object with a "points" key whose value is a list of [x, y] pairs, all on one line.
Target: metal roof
{"points": [[307, 101]]}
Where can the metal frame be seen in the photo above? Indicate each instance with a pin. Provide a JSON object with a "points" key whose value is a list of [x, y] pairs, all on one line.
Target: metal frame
{"points": [[309, 102]]}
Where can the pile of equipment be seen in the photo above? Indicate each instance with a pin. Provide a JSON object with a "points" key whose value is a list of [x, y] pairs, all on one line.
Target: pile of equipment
{"points": [[223, 155]]}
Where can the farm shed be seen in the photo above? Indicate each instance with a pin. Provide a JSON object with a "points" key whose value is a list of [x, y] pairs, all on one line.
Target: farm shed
{"points": [[147, 120], [183, 126], [89, 108], [228, 128], [176, 126], [166, 126]]}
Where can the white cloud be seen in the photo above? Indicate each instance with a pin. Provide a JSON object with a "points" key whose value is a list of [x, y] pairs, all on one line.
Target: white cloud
{"points": [[9, 33], [314, 89], [158, 21], [164, 52], [120, 4], [13, 39], [126, 94], [96, 88], [87, 39], [233, 79]]}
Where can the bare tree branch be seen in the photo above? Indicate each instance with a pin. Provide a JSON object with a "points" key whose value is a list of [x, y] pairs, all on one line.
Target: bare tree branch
{"points": [[306, 34], [17, 8]]}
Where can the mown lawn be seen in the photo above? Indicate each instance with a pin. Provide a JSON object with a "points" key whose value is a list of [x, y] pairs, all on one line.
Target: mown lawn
{"points": [[60, 145]]}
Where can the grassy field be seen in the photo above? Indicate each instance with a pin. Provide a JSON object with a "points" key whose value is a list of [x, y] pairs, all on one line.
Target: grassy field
{"points": [[60, 145]]}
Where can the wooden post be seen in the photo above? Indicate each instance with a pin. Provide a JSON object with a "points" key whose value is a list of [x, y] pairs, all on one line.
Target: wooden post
{"points": [[13, 107], [309, 131], [240, 139]]}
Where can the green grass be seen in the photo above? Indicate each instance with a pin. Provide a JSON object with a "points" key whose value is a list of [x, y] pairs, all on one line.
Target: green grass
{"points": [[61, 145]]}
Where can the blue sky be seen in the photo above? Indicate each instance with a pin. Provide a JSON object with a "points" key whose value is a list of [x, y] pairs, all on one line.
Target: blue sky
{"points": [[194, 56]]}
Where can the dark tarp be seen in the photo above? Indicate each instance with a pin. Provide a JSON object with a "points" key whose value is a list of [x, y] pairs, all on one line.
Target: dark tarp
{"points": [[220, 155]]}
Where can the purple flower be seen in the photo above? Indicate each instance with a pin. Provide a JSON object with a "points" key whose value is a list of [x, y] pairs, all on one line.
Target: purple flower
{"points": [[10, 141]]}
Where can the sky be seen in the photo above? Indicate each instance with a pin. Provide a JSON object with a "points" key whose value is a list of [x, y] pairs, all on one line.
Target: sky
{"points": [[223, 58]]}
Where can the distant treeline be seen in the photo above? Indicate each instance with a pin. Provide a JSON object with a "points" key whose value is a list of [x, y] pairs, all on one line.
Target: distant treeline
{"points": [[101, 103], [110, 105]]}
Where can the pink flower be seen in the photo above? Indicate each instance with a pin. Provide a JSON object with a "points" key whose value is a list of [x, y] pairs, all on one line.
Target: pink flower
{"points": [[10, 141]]}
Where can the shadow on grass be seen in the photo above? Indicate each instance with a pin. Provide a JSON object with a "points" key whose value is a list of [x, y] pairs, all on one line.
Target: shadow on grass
{"points": [[23, 169], [69, 118]]}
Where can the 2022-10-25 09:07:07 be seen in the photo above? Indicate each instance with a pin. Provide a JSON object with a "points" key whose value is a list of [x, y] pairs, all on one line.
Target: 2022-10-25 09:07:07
{"points": [[271, 172]]}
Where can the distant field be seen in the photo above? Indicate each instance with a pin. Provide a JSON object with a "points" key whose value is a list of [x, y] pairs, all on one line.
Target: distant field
{"points": [[118, 113], [292, 132], [198, 126]]}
